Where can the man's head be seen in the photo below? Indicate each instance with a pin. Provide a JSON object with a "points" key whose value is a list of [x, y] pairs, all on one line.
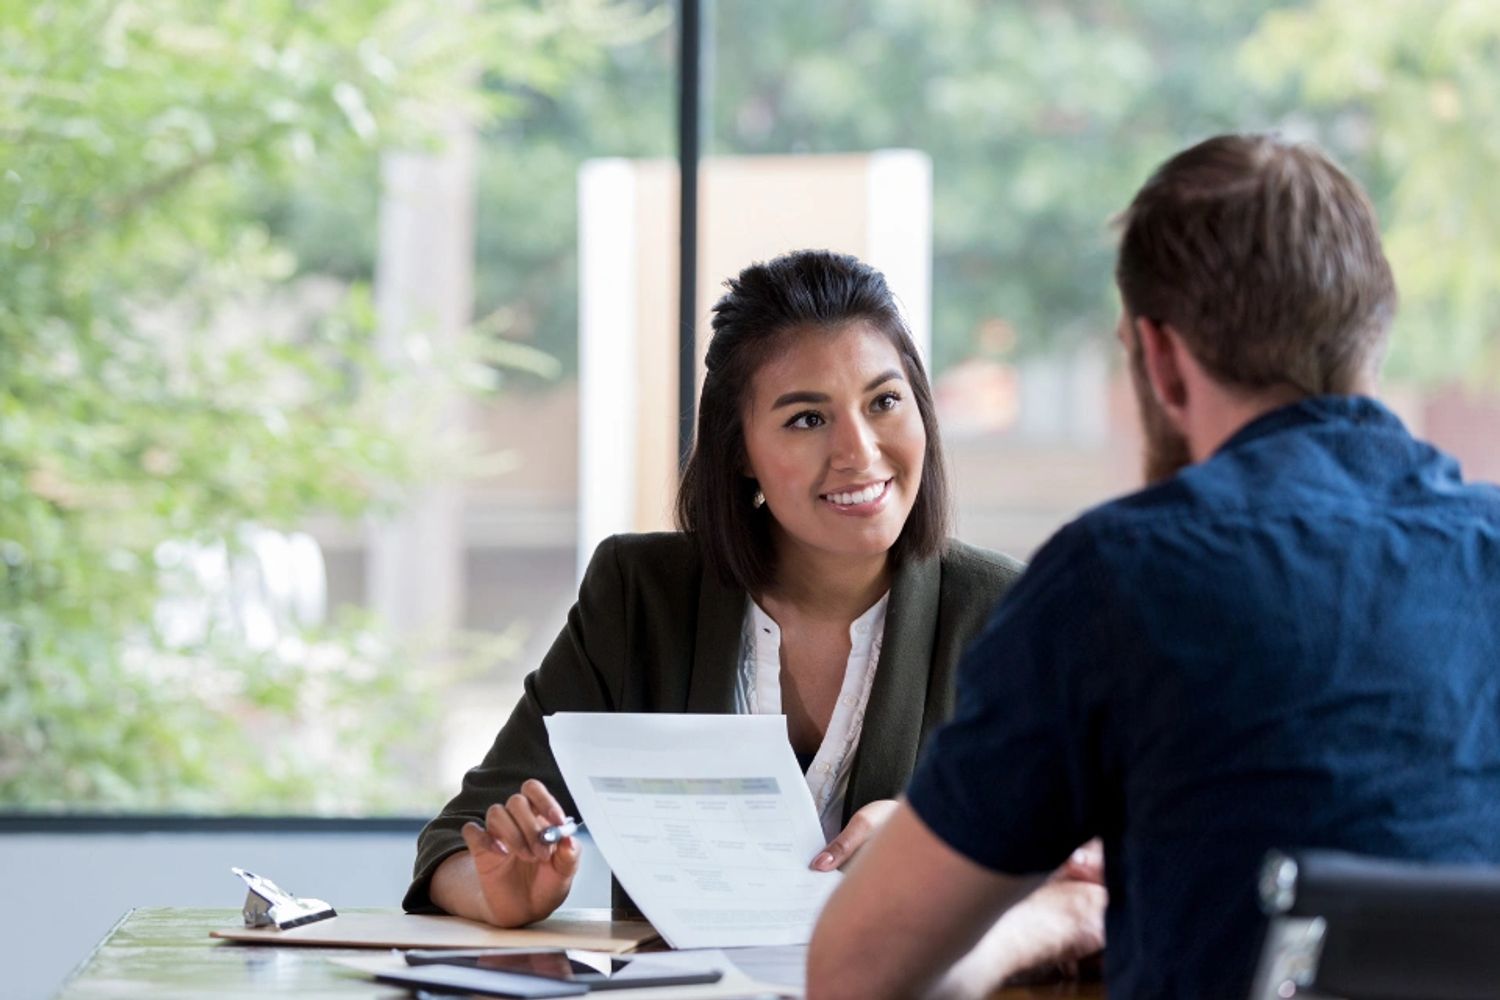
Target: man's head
{"points": [[1262, 261]]}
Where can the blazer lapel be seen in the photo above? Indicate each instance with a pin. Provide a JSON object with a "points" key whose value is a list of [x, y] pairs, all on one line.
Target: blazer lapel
{"points": [[716, 648], [892, 728]]}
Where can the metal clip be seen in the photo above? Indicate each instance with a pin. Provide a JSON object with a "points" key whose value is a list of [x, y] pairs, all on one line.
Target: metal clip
{"points": [[269, 905]]}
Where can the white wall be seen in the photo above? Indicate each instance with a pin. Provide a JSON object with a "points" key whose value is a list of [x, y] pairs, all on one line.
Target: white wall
{"points": [[63, 892]]}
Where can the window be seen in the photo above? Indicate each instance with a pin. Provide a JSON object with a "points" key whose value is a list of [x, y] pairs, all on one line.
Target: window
{"points": [[290, 488], [288, 389]]}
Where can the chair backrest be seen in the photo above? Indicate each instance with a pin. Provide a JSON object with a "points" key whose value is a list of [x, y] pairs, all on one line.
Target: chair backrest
{"points": [[1363, 928]]}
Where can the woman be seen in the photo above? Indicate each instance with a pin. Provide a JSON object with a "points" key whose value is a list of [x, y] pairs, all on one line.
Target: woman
{"points": [[812, 577]]}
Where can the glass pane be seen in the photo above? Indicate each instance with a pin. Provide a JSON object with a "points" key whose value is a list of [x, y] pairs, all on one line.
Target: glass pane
{"points": [[288, 387], [290, 496], [1041, 120]]}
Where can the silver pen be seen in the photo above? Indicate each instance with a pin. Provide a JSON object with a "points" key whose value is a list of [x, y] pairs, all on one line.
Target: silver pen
{"points": [[568, 827]]}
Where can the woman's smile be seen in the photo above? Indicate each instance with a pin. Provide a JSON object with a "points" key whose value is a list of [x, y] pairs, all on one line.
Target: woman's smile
{"points": [[860, 501]]}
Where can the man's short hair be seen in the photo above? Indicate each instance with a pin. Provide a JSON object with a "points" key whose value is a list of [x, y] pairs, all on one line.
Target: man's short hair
{"points": [[1265, 257]]}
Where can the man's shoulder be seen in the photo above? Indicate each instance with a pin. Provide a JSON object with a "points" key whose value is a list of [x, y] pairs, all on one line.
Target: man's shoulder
{"points": [[1163, 502], [1083, 560], [1204, 493], [1366, 476]]}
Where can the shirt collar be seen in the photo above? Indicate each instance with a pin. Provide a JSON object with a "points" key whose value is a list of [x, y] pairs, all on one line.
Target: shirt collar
{"points": [[1315, 410], [864, 631]]}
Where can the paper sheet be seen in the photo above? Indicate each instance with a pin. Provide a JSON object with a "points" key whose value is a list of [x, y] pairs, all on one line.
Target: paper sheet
{"points": [[706, 820], [782, 966]]}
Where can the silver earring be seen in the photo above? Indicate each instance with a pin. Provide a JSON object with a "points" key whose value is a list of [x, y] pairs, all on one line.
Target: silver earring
{"points": [[758, 500]]}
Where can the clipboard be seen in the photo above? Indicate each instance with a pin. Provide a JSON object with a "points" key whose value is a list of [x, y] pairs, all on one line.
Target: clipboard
{"points": [[589, 929]]}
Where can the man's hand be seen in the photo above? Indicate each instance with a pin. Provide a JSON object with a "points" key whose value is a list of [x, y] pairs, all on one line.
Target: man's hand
{"points": [[907, 910], [865, 821], [520, 879], [913, 917], [1047, 934]]}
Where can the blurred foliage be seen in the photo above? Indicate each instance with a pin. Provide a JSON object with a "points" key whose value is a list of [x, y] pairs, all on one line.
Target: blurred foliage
{"points": [[163, 377], [1408, 95], [526, 228], [1041, 120]]}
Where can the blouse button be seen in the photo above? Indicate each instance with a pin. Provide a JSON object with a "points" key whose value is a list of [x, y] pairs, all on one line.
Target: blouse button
{"points": [[847, 699], [861, 627]]}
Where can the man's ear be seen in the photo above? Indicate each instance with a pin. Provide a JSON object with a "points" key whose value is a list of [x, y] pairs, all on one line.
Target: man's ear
{"points": [[1162, 353]]}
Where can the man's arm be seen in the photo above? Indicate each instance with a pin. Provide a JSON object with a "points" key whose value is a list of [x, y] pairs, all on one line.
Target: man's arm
{"points": [[908, 910], [1006, 788]]}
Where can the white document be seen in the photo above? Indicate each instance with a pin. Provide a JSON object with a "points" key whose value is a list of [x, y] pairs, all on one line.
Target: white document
{"points": [[784, 967], [706, 820]]}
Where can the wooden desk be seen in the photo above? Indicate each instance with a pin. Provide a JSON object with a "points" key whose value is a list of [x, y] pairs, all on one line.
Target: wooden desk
{"points": [[166, 953]]}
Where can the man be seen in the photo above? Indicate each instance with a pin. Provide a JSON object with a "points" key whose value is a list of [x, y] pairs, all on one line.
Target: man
{"points": [[1291, 639]]}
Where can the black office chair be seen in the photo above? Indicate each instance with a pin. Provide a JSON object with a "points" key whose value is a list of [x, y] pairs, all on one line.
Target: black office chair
{"points": [[1362, 928]]}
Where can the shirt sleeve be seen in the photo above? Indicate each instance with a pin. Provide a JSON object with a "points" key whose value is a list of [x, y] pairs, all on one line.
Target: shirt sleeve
{"points": [[1010, 782], [580, 673]]}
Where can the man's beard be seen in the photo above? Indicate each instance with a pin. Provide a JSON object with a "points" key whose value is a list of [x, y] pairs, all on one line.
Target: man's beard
{"points": [[1166, 451]]}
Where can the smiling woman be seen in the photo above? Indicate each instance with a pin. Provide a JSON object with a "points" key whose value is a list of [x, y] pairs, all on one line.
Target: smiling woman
{"points": [[839, 463], [791, 335], [812, 578]]}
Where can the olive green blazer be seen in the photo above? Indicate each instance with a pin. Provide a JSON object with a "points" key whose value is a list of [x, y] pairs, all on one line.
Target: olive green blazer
{"points": [[655, 630]]}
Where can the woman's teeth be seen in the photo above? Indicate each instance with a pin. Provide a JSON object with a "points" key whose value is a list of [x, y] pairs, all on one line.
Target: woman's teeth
{"points": [[863, 496]]}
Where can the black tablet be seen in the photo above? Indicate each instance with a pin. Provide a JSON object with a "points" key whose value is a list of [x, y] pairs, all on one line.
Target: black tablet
{"points": [[487, 982], [557, 966]]}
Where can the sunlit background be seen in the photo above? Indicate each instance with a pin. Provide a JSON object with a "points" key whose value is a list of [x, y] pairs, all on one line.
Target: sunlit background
{"points": [[333, 335]]}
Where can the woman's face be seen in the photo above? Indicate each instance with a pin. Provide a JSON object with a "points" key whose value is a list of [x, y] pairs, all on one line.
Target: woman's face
{"points": [[835, 439]]}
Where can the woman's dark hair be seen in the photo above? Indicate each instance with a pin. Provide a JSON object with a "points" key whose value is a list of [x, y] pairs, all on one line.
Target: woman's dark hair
{"points": [[799, 293]]}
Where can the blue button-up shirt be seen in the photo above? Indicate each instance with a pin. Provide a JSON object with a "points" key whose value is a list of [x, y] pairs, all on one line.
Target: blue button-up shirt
{"points": [[1295, 643]]}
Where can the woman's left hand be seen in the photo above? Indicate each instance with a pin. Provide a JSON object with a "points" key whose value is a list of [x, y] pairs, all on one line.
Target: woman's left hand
{"points": [[861, 826], [1086, 864]]}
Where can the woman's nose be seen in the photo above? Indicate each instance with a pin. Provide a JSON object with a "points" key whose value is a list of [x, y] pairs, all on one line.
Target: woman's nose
{"points": [[855, 446]]}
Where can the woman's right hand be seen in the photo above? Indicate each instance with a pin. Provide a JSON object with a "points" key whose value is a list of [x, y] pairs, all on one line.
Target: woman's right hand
{"points": [[522, 879]]}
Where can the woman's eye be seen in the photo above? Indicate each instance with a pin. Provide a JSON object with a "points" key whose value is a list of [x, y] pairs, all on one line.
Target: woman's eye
{"points": [[806, 420], [886, 401]]}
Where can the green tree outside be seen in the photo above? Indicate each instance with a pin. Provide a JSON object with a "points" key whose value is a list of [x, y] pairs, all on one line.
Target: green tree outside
{"points": [[142, 146], [1408, 95]]}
